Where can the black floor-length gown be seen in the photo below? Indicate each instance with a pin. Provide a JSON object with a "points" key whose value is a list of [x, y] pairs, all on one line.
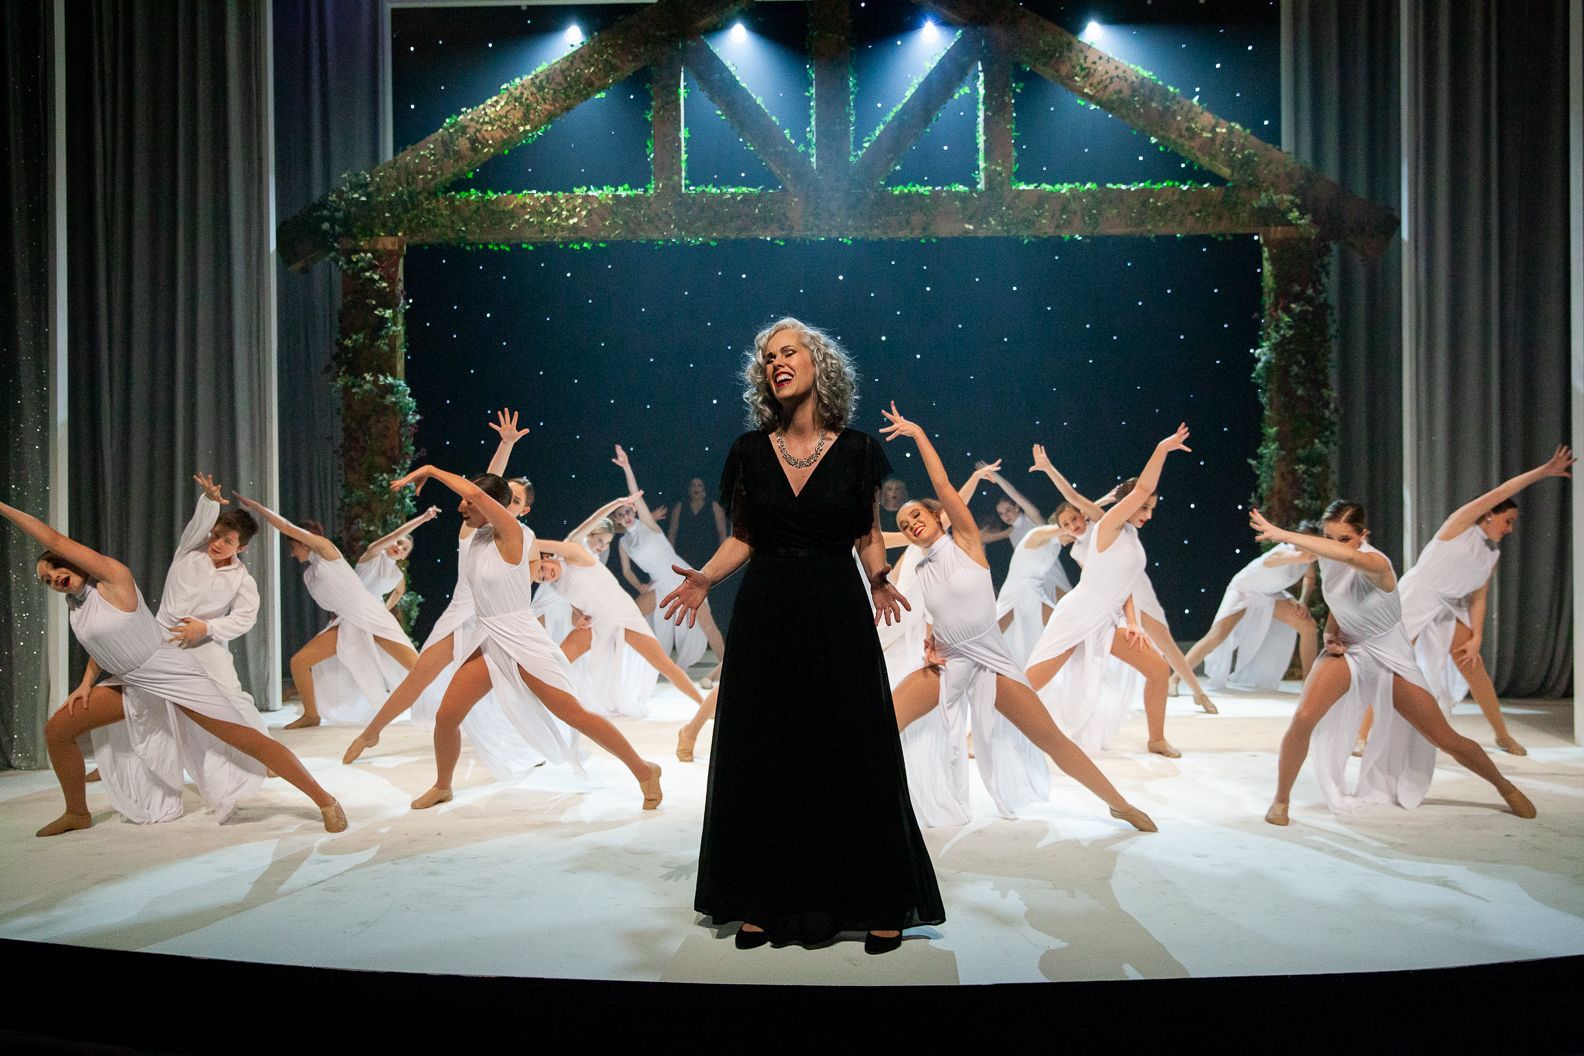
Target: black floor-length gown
{"points": [[808, 829]]}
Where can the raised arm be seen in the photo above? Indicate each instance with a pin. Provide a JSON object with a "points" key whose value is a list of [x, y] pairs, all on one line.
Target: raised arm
{"points": [[1560, 464], [1149, 479], [1307, 589], [1042, 464], [572, 553], [993, 474], [1372, 563], [508, 533], [394, 597], [196, 535], [641, 506], [1043, 536], [576, 535], [317, 543], [965, 531], [505, 424], [982, 471], [377, 546], [107, 570]]}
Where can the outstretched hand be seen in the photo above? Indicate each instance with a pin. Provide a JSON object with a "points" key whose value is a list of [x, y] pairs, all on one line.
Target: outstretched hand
{"points": [[987, 470], [1042, 461], [687, 598], [1560, 464], [658, 513], [899, 426], [431, 513], [1264, 531], [505, 424], [1178, 441], [245, 502], [211, 490], [621, 458], [1467, 654], [416, 478], [888, 603]]}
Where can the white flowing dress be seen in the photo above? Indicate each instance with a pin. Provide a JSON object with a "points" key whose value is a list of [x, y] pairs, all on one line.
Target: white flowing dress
{"points": [[612, 678], [455, 622], [1026, 592], [141, 761], [1435, 599], [1085, 621], [652, 552], [1398, 762], [1259, 650], [508, 636], [902, 642], [351, 686], [958, 592]]}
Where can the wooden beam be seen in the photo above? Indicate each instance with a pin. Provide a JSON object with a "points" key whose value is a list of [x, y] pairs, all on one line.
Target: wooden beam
{"points": [[996, 160], [752, 121], [665, 122], [1183, 125], [830, 54], [508, 219], [375, 202], [913, 117]]}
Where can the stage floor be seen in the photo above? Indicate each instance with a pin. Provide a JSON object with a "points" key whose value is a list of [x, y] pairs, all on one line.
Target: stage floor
{"points": [[566, 877]]}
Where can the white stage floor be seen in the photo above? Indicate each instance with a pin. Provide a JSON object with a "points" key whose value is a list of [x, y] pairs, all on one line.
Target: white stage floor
{"points": [[565, 877]]}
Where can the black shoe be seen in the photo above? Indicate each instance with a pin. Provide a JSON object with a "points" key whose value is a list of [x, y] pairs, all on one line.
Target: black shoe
{"points": [[878, 944], [751, 940]]}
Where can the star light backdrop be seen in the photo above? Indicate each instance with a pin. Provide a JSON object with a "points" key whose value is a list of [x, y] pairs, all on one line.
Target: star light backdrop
{"points": [[1094, 347]]}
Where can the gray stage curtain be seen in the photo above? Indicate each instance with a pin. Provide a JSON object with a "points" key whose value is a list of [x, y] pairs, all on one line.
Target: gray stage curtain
{"points": [[327, 84], [25, 177], [1487, 101], [168, 250]]}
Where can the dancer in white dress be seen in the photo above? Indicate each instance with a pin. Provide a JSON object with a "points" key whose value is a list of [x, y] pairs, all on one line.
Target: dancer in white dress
{"points": [[425, 684], [1250, 642], [158, 715], [1016, 513], [1084, 627], [508, 652], [978, 681], [1369, 664], [1075, 516], [1035, 582], [369, 649], [1444, 595], [644, 544], [615, 625]]}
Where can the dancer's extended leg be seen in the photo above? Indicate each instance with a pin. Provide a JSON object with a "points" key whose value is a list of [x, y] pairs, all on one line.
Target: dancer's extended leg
{"points": [[1299, 619], [1327, 683], [60, 739], [1152, 666], [1420, 708], [712, 635], [1046, 670], [688, 735], [1484, 693], [431, 662], [1219, 631], [402, 652], [916, 696], [600, 730], [579, 641], [276, 757], [648, 648], [1161, 635], [320, 647], [467, 688]]}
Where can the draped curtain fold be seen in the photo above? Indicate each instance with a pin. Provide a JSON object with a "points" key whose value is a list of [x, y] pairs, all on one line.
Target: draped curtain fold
{"points": [[25, 344], [327, 121], [168, 246]]}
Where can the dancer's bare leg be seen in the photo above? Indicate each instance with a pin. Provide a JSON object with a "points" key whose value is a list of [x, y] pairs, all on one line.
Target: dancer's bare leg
{"points": [[1484, 693], [578, 642], [712, 635], [104, 707], [431, 662], [647, 647], [1299, 619], [1023, 709], [320, 647], [688, 735], [1421, 710], [467, 688], [1046, 670], [916, 696], [1161, 635], [1152, 666], [1327, 682], [1219, 631], [402, 652], [1364, 732], [598, 729], [275, 756]]}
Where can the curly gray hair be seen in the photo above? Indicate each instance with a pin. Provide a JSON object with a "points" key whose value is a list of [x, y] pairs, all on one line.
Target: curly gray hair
{"points": [[835, 379]]}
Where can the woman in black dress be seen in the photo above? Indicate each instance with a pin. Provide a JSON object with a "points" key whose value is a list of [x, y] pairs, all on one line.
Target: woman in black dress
{"points": [[808, 830], [697, 526]]}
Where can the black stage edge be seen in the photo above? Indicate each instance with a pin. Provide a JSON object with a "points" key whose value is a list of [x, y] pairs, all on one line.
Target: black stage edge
{"points": [[77, 999]]}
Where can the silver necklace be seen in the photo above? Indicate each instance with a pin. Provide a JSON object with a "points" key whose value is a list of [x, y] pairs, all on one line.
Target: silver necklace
{"points": [[799, 463]]}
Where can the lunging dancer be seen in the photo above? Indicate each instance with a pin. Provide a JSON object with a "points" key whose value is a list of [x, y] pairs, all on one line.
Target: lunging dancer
{"points": [[1250, 642], [508, 652], [1444, 595], [979, 682], [177, 717], [1083, 626], [1369, 664], [807, 827]]}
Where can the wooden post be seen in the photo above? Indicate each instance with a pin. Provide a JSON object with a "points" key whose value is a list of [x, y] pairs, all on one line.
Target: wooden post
{"points": [[995, 118], [1298, 445], [665, 95], [830, 51]]}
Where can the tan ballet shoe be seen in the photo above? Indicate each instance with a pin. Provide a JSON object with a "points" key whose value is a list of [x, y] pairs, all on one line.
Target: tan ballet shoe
{"points": [[268, 773], [302, 722], [685, 744], [1135, 817], [1203, 700], [360, 744], [1277, 814], [334, 817], [1520, 804], [1508, 745], [651, 788], [95, 775], [432, 798], [1164, 748], [67, 822]]}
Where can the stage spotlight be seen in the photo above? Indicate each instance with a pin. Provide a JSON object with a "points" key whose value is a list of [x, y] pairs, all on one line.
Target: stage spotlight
{"points": [[1092, 32], [931, 30], [739, 33], [574, 34]]}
